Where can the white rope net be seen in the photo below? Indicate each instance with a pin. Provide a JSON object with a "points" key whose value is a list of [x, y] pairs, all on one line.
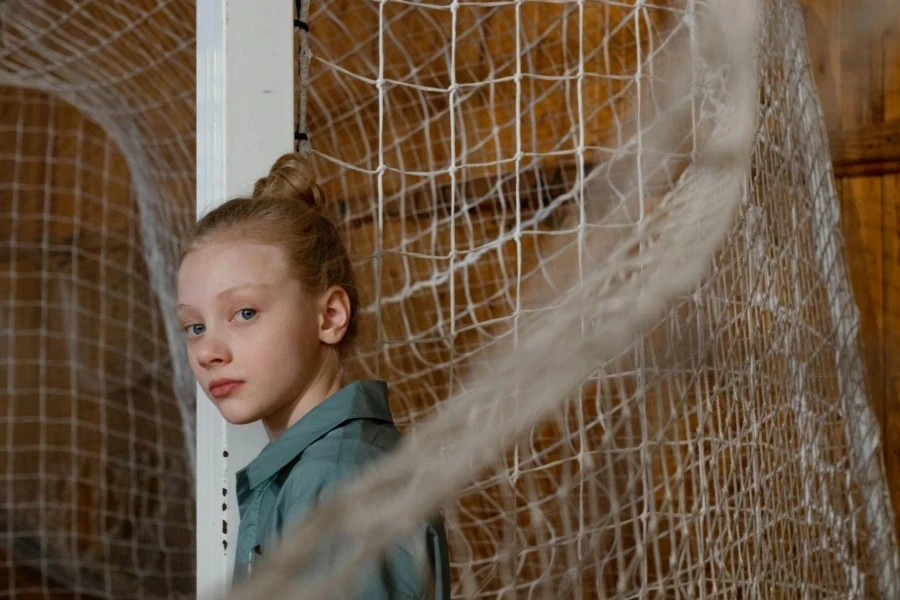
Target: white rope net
{"points": [[96, 186], [696, 425], [522, 154]]}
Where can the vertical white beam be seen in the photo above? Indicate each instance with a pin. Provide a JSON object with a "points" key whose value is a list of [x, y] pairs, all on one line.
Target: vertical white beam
{"points": [[245, 105]]}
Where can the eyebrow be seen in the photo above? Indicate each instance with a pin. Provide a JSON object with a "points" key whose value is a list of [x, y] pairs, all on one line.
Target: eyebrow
{"points": [[231, 290]]}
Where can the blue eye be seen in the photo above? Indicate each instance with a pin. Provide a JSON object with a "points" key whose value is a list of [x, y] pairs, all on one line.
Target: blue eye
{"points": [[195, 329], [245, 314]]}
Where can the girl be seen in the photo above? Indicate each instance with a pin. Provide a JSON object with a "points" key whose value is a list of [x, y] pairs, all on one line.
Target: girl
{"points": [[268, 303]]}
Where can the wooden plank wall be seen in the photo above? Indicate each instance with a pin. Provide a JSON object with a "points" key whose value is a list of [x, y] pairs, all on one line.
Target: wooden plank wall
{"points": [[856, 63], [859, 82]]}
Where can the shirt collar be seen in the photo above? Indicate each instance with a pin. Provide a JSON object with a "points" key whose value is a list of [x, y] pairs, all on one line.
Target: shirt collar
{"points": [[365, 399]]}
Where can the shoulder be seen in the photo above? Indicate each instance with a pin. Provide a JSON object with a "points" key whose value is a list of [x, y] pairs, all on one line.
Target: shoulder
{"points": [[351, 445], [327, 462], [338, 454]]}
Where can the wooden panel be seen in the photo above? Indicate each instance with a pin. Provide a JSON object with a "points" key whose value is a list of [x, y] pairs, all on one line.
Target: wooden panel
{"points": [[855, 50], [891, 244], [862, 81], [855, 57], [868, 150], [861, 214], [823, 38], [890, 415]]}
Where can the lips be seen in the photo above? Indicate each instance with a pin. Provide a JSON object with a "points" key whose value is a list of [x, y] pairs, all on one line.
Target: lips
{"points": [[222, 388]]}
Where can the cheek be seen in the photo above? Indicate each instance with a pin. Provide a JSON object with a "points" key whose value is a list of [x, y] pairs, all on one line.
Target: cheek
{"points": [[297, 352], [192, 357], [292, 343], [277, 342]]}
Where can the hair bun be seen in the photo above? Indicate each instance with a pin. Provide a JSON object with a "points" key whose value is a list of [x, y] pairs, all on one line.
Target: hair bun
{"points": [[291, 178]]}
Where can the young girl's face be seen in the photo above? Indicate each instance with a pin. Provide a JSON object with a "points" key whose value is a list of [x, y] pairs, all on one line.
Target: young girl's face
{"points": [[252, 332]]}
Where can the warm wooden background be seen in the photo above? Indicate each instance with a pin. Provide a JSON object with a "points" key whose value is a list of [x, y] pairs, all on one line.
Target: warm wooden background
{"points": [[858, 78], [859, 83]]}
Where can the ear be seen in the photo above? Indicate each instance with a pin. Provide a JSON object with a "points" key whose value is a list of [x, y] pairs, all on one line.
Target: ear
{"points": [[334, 315]]}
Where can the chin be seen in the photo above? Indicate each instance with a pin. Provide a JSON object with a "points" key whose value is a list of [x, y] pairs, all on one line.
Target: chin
{"points": [[237, 414]]}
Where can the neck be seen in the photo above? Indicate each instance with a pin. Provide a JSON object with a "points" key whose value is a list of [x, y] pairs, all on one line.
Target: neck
{"points": [[326, 383]]}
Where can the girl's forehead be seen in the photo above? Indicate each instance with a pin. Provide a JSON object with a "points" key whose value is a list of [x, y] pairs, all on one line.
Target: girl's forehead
{"points": [[220, 266]]}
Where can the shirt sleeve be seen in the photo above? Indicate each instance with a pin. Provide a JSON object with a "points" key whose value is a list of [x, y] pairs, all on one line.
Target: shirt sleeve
{"points": [[402, 573]]}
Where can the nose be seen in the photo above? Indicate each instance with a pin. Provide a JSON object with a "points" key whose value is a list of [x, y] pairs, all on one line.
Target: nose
{"points": [[212, 351]]}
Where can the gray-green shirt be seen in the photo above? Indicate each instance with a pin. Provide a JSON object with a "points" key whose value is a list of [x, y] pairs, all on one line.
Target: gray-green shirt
{"points": [[303, 466]]}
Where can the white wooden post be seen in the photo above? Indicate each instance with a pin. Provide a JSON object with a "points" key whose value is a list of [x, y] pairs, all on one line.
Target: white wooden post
{"points": [[245, 117]]}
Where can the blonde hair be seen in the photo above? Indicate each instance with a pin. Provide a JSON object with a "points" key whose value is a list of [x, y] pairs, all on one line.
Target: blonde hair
{"points": [[287, 211]]}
